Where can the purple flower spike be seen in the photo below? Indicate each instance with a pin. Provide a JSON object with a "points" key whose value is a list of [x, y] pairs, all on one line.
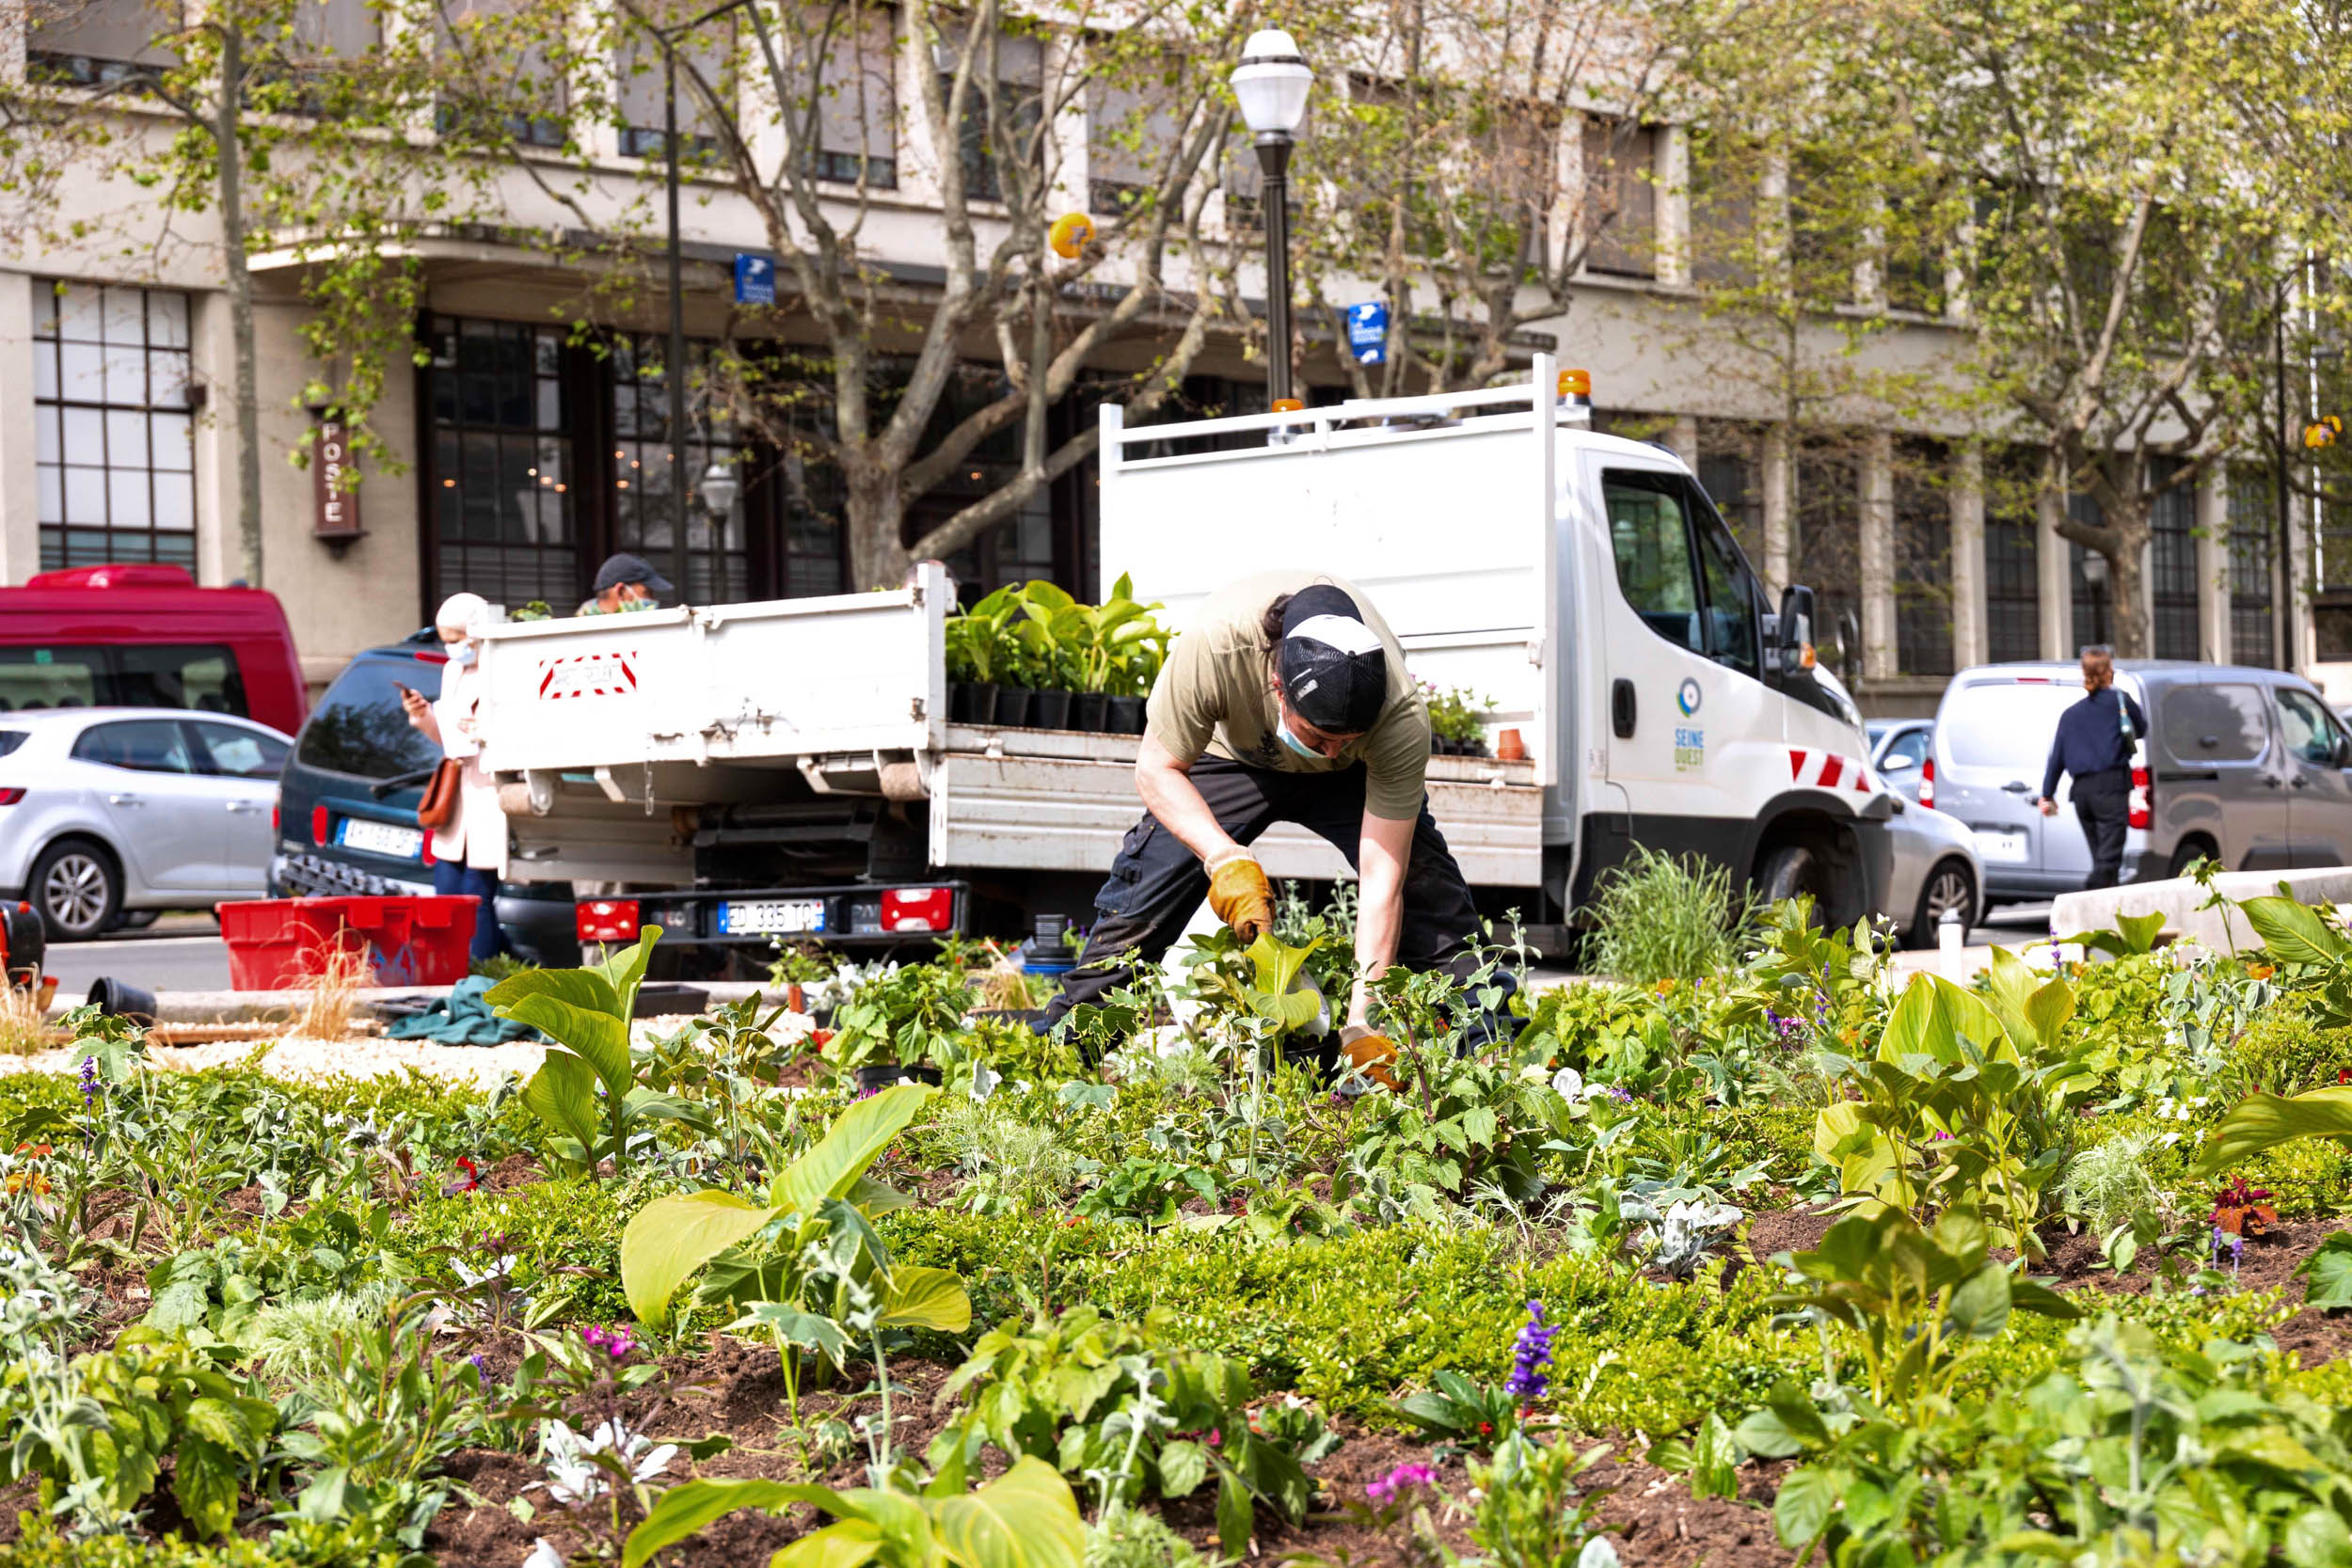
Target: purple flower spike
{"points": [[1529, 1381]]}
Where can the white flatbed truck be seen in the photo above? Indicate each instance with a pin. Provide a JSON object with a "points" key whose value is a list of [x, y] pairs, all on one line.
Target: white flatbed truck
{"points": [[789, 769]]}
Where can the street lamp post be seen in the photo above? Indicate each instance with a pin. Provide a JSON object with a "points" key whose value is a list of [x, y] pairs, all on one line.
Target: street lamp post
{"points": [[676, 371], [1271, 83]]}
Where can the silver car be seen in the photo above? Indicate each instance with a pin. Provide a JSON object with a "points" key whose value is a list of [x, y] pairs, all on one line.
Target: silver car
{"points": [[2243, 765], [105, 812], [1936, 869], [1901, 750]]}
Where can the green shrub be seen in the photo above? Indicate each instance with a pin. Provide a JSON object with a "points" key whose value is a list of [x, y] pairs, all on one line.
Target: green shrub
{"points": [[566, 1234], [2288, 1053], [1665, 917]]}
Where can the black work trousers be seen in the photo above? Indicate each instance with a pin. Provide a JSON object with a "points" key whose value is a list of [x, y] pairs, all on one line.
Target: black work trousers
{"points": [[2103, 803], [1156, 883]]}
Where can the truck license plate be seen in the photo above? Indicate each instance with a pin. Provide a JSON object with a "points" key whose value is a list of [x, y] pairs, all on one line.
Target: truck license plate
{"points": [[2006, 845], [380, 838], [752, 917]]}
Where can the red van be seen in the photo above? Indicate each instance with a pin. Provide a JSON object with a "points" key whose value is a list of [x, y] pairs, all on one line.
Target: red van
{"points": [[147, 636]]}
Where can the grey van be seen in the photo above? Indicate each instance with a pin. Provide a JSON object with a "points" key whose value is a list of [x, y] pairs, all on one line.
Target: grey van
{"points": [[2249, 766]]}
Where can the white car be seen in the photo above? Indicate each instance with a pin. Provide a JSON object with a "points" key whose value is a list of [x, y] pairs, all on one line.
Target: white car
{"points": [[1936, 869], [106, 811]]}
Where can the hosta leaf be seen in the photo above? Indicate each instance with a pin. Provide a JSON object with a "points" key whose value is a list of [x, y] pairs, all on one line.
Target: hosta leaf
{"points": [[2263, 1121], [2295, 933], [847, 1544], [854, 1141], [672, 1237], [920, 1297], [1025, 1518], [2328, 1272], [563, 1093], [686, 1509]]}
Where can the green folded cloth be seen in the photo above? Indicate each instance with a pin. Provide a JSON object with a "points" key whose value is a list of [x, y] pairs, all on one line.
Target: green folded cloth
{"points": [[463, 1018]]}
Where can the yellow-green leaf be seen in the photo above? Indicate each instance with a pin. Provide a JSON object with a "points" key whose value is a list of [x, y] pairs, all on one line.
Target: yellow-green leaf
{"points": [[1026, 1519], [920, 1297], [2265, 1121], [672, 1237], [854, 1141]]}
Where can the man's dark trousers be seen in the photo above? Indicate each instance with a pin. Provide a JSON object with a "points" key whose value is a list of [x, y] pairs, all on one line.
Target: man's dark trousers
{"points": [[2103, 803], [1156, 883]]}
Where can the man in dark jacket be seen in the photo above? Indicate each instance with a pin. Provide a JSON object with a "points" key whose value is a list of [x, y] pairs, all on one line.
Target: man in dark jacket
{"points": [[2094, 744]]}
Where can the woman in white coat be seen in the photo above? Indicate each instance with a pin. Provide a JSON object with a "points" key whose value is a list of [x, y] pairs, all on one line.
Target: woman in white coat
{"points": [[469, 854]]}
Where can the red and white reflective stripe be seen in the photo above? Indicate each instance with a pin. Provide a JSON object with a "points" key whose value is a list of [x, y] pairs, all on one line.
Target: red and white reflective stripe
{"points": [[1829, 771], [588, 676]]}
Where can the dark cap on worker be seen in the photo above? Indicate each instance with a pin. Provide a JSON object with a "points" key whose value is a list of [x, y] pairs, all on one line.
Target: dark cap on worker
{"points": [[624, 568], [1333, 668]]}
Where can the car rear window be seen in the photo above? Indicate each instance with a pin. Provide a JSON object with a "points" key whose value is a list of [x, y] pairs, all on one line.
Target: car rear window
{"points": [[10, 740], [201, 677], [2213, 724], [2003, 724], [358, 727]]}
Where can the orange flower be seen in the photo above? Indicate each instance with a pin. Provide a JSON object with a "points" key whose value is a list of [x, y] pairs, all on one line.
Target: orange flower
{"points": [[18, 1181], [2261, 972], [1665, 988], [38, 1152]]}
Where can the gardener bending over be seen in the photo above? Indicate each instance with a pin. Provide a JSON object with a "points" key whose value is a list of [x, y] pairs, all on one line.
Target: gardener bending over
{"points": [[1288, 700]]}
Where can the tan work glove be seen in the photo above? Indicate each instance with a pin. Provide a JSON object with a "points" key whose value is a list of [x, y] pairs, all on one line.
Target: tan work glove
{"points": [[1372, 1054], [1239, 894]]}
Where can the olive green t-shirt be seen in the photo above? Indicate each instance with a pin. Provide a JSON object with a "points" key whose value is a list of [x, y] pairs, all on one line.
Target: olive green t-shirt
{"points": [[1214, 697]]}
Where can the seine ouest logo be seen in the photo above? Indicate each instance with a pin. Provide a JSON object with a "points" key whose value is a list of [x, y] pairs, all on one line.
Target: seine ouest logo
{"points": [[1690, 740]]}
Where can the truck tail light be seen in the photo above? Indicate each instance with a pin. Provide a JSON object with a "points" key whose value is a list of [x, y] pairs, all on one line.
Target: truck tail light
{"points": [[273, 820], [1927, 784], [10, 794], [2143, 799], [318, 824], [919, 908], [605, 919]]}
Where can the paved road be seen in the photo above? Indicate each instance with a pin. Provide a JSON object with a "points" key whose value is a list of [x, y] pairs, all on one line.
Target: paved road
{"points": [[177, 953]]}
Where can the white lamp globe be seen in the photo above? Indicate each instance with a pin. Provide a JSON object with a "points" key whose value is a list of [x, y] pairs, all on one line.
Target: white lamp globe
{"points": [[1271, 82]]}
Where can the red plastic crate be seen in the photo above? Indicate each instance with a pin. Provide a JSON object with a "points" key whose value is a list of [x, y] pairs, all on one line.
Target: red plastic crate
{"points": [[282, 944]]}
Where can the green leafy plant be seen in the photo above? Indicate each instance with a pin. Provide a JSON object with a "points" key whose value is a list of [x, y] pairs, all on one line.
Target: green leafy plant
{"points": [[909, 1015], [1025, 1518], [1126, 1407], [807, 1268], [99, 1436], [587, 1012], [1531, 1512], [1476, 1413], [1453, 713], [1665, 917], [2130, 936]]}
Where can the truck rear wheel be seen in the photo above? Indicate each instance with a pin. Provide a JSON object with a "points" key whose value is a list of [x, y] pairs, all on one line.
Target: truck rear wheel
{"points": [[1791, 869]]}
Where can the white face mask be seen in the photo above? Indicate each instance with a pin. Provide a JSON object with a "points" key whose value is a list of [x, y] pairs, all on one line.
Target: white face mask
{"points": [[462, 655]]}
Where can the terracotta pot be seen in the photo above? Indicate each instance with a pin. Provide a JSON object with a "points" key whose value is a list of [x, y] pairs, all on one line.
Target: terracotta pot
{"points": [[1510, 747]]}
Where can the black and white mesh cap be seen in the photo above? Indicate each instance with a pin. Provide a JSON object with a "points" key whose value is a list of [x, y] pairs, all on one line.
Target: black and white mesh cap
{"points": [[1333, 668]]}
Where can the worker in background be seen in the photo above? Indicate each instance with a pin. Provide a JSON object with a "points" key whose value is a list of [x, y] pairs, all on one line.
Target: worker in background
{"points": [[625, 581], [2094, 743], [1288, 700]]}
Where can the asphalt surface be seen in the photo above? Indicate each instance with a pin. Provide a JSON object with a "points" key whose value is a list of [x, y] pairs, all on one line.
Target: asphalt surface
{"points": [[184, 952], [180, 952]]}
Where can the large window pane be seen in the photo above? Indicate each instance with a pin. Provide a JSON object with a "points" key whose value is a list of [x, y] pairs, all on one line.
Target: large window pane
{"points": [[112, 451], [87, 42], [504, 516]]}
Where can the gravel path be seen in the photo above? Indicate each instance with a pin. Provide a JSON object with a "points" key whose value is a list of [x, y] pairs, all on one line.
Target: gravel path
{"points": [[361, 1055]]}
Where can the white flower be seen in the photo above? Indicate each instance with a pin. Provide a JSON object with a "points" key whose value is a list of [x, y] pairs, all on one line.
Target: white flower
{"points": [[984, 1081], [544, 1556], [1598, 1553], [1569, 1085], [498, 1269]]}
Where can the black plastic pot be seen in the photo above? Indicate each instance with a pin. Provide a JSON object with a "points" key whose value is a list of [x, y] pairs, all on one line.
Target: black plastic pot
{"points": [[883, 1074], [119, 999], [1086, 711], [1124, 715], [1049, 710], [972, 702], [1012, 706]]}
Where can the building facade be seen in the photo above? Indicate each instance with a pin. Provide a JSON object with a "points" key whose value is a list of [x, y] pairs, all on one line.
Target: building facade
{"points": [[526, 450]]}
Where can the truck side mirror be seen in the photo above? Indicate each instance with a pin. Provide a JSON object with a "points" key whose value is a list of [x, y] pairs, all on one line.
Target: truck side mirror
{"points": [[1794, 626]]}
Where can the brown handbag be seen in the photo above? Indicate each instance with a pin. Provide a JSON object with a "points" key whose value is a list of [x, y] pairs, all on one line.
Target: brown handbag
{"points": [[438, 808]]}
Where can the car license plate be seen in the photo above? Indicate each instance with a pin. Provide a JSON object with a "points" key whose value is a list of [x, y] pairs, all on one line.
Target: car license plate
{"points": [[2006, 845], [380, 838], [753, 917]]}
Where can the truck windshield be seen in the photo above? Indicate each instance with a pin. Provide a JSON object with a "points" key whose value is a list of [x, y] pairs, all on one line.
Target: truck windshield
{"points": [[358, 727], [2004, 724]]}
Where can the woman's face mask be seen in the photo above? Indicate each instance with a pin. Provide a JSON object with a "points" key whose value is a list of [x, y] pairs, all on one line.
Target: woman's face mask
{"points": [[462, 655]]}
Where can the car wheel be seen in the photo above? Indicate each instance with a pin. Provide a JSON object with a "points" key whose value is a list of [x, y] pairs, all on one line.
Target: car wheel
{"points": [[1949, 887], [76, 888], [2190, 851], [1793, 869], [134, 920]]}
